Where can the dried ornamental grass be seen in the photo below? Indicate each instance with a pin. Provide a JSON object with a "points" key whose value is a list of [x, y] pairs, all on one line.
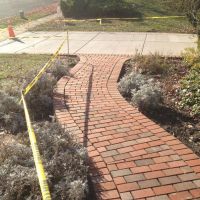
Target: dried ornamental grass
{"points": [[63, 159]]}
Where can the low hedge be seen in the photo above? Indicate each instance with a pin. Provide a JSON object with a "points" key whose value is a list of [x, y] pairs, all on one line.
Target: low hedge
{"points": [[97, 8]]}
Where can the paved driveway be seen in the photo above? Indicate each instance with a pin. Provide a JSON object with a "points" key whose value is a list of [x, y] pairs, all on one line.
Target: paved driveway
{"points": [[100, 43]]}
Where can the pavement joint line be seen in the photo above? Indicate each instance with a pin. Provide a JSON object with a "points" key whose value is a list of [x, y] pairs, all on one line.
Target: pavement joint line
{"points": [[32, 45], [10, 41], [143, 46], [48, 37], [98, 33]]}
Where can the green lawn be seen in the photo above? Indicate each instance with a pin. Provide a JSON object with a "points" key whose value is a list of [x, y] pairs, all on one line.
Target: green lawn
{"points": [[179, 25], [14, 67]]}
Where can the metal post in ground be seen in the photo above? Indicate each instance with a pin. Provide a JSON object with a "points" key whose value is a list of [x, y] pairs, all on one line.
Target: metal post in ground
{"points": [[68, 45], [68, 41]]}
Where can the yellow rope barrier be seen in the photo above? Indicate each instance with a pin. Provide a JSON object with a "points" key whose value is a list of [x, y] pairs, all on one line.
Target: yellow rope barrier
{"points": [[36, 156]]}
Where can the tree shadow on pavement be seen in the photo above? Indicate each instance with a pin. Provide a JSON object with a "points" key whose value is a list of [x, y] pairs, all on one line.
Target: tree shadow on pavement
{"points": [[17, 40], [95, 176]]}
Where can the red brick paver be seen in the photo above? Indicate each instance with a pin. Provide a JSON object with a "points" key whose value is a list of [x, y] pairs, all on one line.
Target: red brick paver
{"points": [[130, 156]]}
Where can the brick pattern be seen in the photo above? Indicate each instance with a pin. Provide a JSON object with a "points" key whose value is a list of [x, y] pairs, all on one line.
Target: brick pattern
{"points": [[130, 156]]}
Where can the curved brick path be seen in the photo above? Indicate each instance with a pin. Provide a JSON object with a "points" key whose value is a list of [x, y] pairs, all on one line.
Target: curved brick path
{"points": [[130, 156]]}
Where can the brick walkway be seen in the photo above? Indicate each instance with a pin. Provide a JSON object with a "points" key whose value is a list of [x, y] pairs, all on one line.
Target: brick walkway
{"points": [[130, 156]]}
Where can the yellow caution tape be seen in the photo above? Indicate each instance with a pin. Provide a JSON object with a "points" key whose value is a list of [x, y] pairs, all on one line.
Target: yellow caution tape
{"points": [[134, 18], [36, 156], [165, 17], [158, 17], [47, 65]]}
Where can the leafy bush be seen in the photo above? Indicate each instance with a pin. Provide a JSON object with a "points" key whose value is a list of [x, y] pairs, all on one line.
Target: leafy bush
{"points": [[151, 64], [66, 7], [96, 8], [11, 113], [190, 91], [145, 93], [63, 159]]}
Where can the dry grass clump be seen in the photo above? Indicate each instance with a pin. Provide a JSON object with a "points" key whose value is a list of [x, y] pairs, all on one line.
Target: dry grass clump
{"points": [[63, 159]]}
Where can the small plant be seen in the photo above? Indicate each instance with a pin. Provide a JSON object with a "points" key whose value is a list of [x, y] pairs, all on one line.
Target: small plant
{"points": [[11, 90], [190, 91], [63, 159], [131, 81], [148, 97], [77, 190], [40, 97], [59, 69], [191, 57], [151, 64], [144, 92], [11, 114]]}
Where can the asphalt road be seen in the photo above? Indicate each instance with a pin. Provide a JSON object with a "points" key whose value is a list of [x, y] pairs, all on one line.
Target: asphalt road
{"points": [[11, 7]]}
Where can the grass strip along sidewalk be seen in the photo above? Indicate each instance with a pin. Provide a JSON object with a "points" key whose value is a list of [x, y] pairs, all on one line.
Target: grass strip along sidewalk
{"points": [[176, 24]]}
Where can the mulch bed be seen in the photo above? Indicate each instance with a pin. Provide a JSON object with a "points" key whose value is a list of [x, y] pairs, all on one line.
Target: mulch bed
{"points": [[169, 116]]}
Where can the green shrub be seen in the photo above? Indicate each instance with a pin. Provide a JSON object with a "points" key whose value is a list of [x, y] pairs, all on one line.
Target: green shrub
{"points": [[151, 64], [190, 91], [66, 7], [63, 159], [97, 8], [109, 8], [70, 7]]}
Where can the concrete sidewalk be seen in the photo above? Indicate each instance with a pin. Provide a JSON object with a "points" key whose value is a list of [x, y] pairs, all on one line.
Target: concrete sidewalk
{"points": [[127, 43]]}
